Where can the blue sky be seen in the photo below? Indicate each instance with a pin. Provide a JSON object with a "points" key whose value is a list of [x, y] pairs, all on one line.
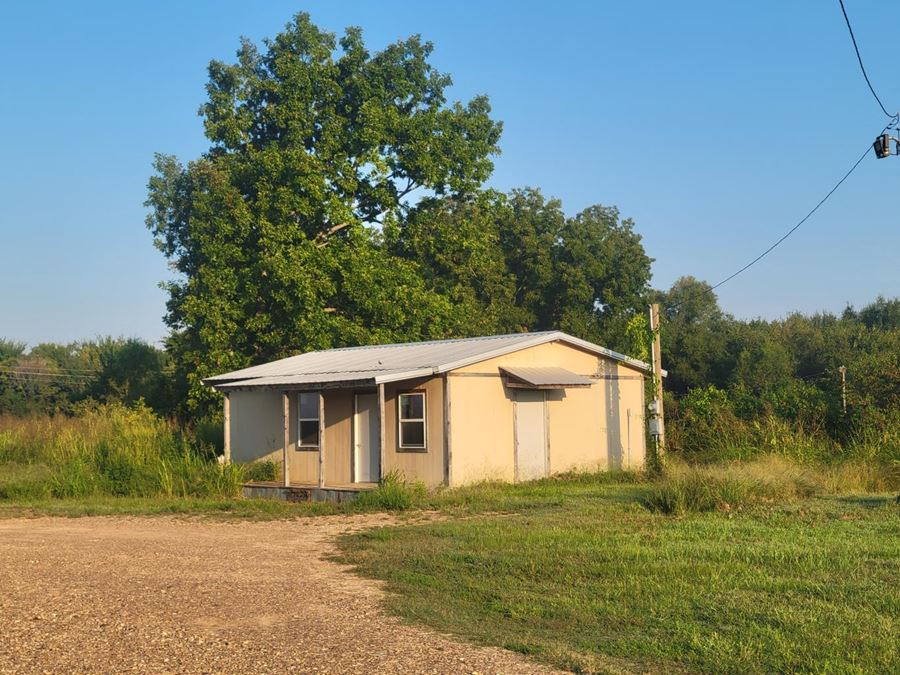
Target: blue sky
{"points": [[714, 125]]}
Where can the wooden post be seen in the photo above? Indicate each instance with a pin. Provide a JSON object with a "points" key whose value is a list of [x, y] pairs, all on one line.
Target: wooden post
{"points": [[381, 433], [321, 440], [657, 416], [843, 370], [285, 454], [227, 411]]}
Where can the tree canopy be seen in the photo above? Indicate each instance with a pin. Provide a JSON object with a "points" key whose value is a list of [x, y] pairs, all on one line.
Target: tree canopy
{"points": [[276, 232], [341, 202]]}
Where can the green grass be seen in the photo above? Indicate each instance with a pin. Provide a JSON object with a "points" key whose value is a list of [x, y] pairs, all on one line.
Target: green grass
{"points": [[579, 573]]}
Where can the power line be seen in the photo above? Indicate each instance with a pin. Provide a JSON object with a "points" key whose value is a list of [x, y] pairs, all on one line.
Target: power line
{"points": [[789, 232], [28, 363], [894, 119], [55, 371], [44, 374], [797, 226], [861, 66]]}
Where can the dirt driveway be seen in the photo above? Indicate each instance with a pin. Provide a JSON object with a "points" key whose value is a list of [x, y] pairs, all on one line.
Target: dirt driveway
{"points": [[170, 595]]}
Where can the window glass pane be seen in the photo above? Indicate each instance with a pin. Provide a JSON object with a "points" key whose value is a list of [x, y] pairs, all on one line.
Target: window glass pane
{"points": [[412, 434], [309, 432], [412, 406], [309, 406]]}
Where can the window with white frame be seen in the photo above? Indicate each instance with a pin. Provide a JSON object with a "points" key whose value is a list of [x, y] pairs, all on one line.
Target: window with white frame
{"points": [[308, 421], [411, 411]]}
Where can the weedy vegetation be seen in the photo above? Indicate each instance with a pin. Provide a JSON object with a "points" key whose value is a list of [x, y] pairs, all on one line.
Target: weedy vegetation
{"points": [[108, 451]]}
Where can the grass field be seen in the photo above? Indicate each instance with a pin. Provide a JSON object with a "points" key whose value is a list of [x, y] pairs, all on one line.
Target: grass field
{"points": [[585, 574], [771, 565]]}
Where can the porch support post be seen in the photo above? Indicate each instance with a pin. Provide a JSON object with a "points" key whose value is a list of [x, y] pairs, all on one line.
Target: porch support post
{"points": [[227, 411], [448, 452], [285, 417], [321, 439], [381, 434]]}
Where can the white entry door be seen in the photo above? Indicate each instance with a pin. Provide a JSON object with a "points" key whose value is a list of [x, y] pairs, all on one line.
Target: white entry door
{"points": [[531, 435], [366, 439]]}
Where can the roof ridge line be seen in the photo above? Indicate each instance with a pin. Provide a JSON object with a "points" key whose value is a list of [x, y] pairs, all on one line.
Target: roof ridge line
{"points": [[476, 338]]}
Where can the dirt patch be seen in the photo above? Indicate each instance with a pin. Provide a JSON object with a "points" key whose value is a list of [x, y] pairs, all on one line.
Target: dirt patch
{"points": [[169, 595]]}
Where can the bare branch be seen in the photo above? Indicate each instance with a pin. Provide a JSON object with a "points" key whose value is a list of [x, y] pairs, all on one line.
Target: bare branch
{"points": [[410, 186], [322, 237]]}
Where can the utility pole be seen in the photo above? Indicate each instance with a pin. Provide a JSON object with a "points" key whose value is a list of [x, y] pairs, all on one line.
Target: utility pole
{"points": [[843, 371], [657, 418]]}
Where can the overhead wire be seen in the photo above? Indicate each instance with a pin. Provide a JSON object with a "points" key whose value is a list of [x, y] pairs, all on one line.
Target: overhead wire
{"points": [[45, 374], [14, 363], [894, 116], [786, 234], [894, 121]]}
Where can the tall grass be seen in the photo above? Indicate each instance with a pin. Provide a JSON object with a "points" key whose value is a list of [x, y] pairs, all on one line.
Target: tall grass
{"points": [[704, 426], [729, 486], [108, 450], [394, 493]]}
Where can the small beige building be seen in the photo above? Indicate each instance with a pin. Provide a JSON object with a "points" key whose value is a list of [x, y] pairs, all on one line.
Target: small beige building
{"points": [[506, 407]]}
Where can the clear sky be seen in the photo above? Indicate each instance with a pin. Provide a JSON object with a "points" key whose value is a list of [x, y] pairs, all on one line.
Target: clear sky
{"points": [[714, 125]]}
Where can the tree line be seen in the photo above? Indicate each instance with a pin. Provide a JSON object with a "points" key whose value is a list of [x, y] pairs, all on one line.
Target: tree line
{"points": [[51, 378], [789, 369]]}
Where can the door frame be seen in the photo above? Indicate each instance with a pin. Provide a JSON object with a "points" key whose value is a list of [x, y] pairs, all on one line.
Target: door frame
{"points": [[516, 433], [354, 435]]}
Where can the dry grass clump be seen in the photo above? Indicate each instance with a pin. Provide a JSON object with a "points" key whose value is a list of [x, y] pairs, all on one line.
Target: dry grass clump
{"points": [[394, 493], [772, 478]]}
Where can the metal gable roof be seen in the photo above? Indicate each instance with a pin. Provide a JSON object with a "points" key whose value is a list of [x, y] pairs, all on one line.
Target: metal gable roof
{"points": [[392, 362]]}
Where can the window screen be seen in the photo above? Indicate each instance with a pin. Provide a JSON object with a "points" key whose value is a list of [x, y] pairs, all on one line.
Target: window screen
{"points": [[412, 420], [308, 425]]}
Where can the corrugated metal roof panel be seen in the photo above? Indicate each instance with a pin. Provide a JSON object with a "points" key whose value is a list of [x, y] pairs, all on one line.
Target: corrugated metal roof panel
{"points": [[386, 363], [547, 377], [392, 357]]}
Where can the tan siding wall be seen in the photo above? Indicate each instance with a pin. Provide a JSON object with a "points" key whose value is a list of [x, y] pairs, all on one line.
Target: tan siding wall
{"points": [[481, 430], [425, 466], [338, 435], [304, 463], [256, 431], [589, 428]]}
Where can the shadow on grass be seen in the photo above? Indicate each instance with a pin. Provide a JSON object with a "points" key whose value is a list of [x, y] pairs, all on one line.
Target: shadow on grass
{"points": [[870, 501]]}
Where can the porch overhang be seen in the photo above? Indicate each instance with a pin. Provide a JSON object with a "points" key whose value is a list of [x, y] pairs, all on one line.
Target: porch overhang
{"points": [[548, 377]]}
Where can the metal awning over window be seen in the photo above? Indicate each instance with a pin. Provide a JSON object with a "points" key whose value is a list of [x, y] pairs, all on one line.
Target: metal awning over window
{"points": [[544, 378]]}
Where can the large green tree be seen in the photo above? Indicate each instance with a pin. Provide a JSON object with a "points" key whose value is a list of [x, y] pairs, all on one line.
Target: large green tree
{"points": [[317, 150], [520, 264]]}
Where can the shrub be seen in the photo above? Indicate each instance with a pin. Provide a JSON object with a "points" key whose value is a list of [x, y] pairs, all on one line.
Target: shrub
{"points": [[393, 493], [208, 433], [260, 471], [24, 481]]}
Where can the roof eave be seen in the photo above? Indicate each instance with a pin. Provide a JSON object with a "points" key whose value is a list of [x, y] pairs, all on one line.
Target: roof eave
{"points": [[406, 375], [248, 385]]}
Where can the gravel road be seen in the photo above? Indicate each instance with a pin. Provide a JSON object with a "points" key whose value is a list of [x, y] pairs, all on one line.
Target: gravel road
{"points": [[104, 595]]}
